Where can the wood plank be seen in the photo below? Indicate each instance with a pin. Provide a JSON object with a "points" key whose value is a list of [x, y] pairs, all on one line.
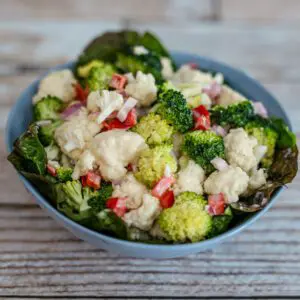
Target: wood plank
{"points": [[155, 10], [257, 10]]}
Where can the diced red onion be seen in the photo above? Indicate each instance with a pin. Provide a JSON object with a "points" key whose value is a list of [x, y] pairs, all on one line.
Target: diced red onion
{"points": [[126, 108], [116, 182], [219, 163], [168, 172], [219, 130], [260, 109], [260, 152], [71, 110], [213, 90]]}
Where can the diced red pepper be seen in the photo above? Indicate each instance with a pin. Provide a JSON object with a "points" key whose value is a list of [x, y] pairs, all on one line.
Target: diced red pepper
{"points": [[118, 81], [201, 118], [81, 93], [51, 170], [162, 186], [93, 180], [167, 199], [216, 204], [131, 118], [130, 121], [117, 205]]}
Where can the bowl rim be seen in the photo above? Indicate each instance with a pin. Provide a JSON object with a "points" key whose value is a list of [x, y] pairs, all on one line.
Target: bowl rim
{"points": [[205, 244]]}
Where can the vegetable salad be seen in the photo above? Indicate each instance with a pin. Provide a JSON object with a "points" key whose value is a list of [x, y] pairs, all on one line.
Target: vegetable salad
{"points": [[131, 145]]}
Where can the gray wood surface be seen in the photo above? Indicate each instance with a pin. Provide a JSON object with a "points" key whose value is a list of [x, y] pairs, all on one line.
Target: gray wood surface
{"points": [[40, 259]]}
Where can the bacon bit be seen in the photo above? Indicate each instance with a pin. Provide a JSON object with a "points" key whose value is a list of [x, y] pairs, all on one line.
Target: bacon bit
{"points": [[118, 82], [81, 94], [117, 205], [51, 170]]}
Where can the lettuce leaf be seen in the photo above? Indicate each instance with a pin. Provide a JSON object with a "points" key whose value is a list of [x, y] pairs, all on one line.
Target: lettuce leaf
{"points": [[282, 171], [28, 153]]}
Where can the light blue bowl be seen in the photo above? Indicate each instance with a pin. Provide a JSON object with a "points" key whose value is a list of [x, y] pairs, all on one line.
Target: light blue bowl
{"points": [[21, 115]]}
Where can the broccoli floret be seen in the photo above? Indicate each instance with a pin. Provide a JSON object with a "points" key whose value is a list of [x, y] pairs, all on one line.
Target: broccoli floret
{"points": [[48, 108], [154, 130], [64, 174], [152, 163], [262, 130], [98, 77], [191, 196], [286, 138], [83, 71], [108, 222], [98, 200], [202, 147], [234, 115], [46, 132], [186, 220], [220, 223], [70, 200], [146, 63], [173, 108]]}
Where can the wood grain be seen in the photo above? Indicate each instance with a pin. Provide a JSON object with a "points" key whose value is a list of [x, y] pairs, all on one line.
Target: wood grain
{"points": [[154, 10], [257, 10]]}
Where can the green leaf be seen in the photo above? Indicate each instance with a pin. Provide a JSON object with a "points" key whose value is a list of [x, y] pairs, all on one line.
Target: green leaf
{"points": [[108, 222], [282, 171], [220, 223], [44, 183], [151, 42], [286, 138], [106, 46], [28, 153]]}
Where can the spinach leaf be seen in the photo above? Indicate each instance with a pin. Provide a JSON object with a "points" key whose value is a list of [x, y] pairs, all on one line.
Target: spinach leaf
{"points": [[44, 183], [28, 153], [105, 47]]}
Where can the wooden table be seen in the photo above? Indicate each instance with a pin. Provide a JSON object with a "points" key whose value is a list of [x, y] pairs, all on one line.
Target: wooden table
{"points": [[40, 259]]}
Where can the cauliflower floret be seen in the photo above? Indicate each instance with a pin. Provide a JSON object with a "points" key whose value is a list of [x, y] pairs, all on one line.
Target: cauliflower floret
{"points": [[232, 182], [142, 88], [257, 179], [157, 232], [186, 74], [190, 179], [84, 164], [167, 68], [73, 134], [239, 149], [132, 189], [145, 215], [114, 150], [105, 101], [59, 84], [229, 96]]}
